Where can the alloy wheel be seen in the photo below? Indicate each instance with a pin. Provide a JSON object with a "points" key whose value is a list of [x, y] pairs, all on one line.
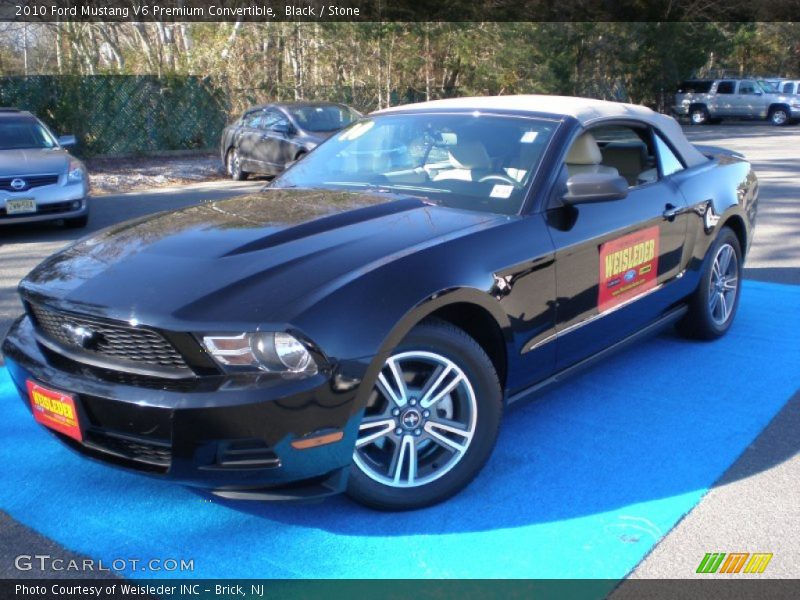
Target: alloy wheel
{"points": [[779, 117], [419, 421], [723, 284]]}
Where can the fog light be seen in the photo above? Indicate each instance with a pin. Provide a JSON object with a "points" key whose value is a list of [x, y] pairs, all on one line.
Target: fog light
{"points": [[76, 204]]}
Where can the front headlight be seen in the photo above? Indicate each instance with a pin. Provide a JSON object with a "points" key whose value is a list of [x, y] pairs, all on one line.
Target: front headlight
{"points": [[273, 352], [76, 173]]}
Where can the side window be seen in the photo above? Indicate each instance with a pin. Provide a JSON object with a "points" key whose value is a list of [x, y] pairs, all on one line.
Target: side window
{"points": [[251, 120], [281, 120], [725, 87], [667, 161], [788, 88], [747, 87], [623, 150], [269, 119]]}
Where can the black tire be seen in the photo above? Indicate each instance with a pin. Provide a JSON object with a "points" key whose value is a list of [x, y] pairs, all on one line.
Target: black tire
{"points": [[703, 319], [234, 166], [477, 398], [76, 222], [779, 116], [698, 115]]}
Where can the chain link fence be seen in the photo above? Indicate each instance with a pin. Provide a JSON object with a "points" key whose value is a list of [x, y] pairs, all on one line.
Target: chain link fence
{"points": [[121, 114]]}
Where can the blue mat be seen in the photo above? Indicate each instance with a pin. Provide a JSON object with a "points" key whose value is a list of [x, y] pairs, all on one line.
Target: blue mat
{"points": [[582, 483]]}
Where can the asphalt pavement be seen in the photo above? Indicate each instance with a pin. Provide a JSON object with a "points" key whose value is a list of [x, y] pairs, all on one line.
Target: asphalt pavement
{"points": [[752, 508]]}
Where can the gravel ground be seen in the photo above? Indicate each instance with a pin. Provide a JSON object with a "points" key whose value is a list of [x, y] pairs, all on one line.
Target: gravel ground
{"points": [[119, 175]]}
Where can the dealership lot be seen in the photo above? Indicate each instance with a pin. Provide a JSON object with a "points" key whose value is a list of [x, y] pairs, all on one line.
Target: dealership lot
{"points": [[775, 257]]}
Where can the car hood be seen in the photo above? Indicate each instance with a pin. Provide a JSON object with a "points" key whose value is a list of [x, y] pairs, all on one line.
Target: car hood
{"points": [[33, 161], [244, 260]]}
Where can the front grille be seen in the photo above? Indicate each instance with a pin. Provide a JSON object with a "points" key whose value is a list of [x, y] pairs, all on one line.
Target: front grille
{"points": [[30, 181], [153, 382], [108, 341], [144, 451]]}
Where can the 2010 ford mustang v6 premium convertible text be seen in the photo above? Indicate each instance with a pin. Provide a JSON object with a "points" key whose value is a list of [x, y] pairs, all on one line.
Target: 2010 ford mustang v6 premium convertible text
{"points": [[362, 323]]}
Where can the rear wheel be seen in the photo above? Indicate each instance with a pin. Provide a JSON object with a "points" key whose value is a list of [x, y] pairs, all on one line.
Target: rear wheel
{"points": [[713, 306], [234, 165], [430, 423]]}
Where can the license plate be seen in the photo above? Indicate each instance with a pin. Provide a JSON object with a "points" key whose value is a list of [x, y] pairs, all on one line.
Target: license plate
{"points": [[55, 410], [20, 206]]}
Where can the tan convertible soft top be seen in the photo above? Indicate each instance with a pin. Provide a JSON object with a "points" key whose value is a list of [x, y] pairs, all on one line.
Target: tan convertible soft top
{"points": [[586, 110]]}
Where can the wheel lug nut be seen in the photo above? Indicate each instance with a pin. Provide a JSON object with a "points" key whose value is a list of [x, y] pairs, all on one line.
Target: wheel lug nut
{"points": [[417, 431], [396, 412], [398, 431], [426, 413]]}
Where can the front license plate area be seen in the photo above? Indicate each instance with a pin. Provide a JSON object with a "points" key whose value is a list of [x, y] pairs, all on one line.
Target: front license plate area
{"points": [[20, 206], [55, 410]]}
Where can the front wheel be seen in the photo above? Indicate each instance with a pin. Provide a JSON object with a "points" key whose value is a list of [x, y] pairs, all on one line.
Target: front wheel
{"points": [[779, 116], [698, 115], [234, 165], [430, 422], [713, 306]]}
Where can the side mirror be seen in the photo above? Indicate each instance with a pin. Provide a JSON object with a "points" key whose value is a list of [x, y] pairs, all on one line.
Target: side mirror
{"points": [[67, 140], [758, 92], [584, 188]]}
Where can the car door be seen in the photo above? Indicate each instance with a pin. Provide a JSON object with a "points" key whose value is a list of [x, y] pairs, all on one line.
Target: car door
{"points": [[266, 144], [750, 100], [247, 141], [277, 146], [724, 99], [617, 260]]}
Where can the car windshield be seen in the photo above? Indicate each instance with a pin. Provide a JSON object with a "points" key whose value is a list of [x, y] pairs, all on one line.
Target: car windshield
{"points": [[470, 161], [323, 118], [16, 135]]}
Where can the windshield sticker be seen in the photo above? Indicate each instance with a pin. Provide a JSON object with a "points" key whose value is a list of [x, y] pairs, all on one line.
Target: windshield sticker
{"points": [[628, 267], [501, 191], [529, 137]]}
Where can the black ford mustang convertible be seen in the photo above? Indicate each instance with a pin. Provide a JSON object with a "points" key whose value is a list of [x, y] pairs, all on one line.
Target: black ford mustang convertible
{"points": [[363, 322]]}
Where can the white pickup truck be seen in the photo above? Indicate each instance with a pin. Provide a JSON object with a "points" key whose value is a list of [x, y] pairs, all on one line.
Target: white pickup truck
{"points": [[711, 100]]}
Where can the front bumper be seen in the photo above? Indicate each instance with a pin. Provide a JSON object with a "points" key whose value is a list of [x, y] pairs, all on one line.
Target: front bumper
{"points": [[232, 436], [53, 202]]}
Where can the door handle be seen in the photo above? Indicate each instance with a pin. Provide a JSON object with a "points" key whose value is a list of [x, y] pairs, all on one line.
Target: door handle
{"points": [[671, 211]]}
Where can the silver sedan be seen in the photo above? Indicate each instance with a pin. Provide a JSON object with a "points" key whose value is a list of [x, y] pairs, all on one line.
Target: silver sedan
{"points": [[39, 179]]}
